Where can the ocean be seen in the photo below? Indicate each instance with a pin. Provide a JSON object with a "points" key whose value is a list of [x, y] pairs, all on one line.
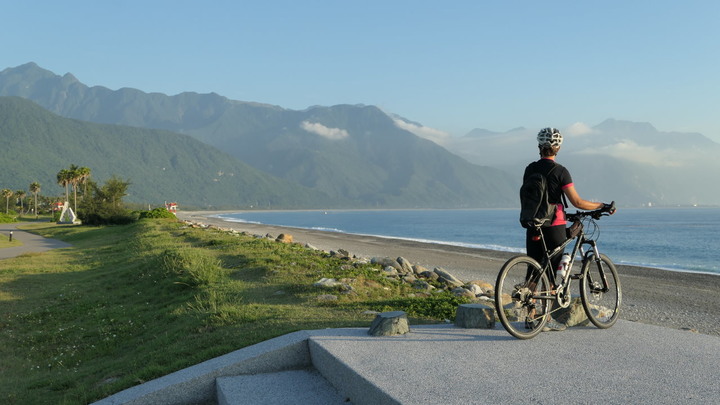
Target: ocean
{"points": [[678, 239]]}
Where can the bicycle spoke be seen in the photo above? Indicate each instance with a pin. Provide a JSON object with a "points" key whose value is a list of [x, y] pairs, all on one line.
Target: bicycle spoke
{"points": [[520, 302], [600, 292]]}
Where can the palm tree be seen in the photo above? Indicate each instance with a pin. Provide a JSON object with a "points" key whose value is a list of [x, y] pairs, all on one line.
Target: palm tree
{"points": [[21, 194], [7, 193], [63, 179], [84, 176], [74, 178], [35, 189]]}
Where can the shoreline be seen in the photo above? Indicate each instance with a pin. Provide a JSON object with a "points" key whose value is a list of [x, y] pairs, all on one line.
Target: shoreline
{"points": [[445, 243], [670, 298], [488, 246]]}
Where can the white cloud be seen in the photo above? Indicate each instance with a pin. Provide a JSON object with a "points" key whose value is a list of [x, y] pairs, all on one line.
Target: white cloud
{"points": [[322, 130], [435, 135], [579, 129], [629, 150]]}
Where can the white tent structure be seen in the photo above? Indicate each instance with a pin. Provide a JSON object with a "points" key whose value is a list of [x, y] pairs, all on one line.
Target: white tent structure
{"points": [[67, 216]]}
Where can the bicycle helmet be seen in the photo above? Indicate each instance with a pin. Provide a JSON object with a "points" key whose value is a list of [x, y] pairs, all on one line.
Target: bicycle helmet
{"points": [[549, 137]]}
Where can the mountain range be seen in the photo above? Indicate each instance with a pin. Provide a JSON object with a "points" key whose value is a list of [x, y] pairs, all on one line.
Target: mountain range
{"points": [[357, 155], [354, 155], [161, 166]]}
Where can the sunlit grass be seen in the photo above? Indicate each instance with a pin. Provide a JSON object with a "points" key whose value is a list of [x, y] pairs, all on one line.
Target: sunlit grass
{"points": [[5, 241], [127, 304]]}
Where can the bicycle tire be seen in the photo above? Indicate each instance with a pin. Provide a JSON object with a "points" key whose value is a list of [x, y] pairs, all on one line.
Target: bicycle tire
{"points": [[601, 307], [513, 292]]}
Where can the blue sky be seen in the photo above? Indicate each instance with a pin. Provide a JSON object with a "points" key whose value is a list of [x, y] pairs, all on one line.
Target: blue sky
{"points": [[452, 65]]}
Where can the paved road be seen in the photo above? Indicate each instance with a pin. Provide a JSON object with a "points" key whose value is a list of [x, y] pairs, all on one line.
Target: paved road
{"points": [[31, 242]]}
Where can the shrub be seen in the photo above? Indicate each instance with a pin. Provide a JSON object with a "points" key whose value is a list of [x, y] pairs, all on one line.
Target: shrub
{"points": [[441, 306], [160, 212], [9, 217], [120, 217], [104, 206]]}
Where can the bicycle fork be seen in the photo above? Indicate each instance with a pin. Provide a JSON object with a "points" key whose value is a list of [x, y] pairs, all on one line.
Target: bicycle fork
{"points": [[595, 284]]}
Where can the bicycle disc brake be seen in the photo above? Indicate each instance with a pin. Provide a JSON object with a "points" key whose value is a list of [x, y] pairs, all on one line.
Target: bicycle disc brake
{"points": [[521, 293], [597, 290]]}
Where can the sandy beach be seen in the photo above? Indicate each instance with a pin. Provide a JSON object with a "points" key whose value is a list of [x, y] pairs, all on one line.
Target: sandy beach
{"points": [[678, 300]]}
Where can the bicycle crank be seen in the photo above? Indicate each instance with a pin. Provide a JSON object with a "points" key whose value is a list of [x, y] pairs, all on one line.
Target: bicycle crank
{"points": [[563, 297]]}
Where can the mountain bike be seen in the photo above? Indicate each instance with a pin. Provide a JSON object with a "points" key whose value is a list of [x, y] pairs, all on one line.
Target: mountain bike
{"points": [[525, 296]]}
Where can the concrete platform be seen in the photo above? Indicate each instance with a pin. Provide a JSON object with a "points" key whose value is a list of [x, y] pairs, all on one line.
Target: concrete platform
{"points": [[628, 363]]}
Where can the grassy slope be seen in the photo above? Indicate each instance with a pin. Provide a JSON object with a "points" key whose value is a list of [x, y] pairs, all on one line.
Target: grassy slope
{"points": [[128, 304]]}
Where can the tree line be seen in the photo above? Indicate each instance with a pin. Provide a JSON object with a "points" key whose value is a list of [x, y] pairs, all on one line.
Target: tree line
{"points": [[6, 193], [93, 203]]}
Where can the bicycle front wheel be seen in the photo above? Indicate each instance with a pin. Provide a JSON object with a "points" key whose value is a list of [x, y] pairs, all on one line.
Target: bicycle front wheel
{"points": [[600, 291], [522, 298]]}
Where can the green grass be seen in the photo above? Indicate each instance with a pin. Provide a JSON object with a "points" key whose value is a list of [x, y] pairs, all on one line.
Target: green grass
{"points": [[127, 304], [5, 241]]}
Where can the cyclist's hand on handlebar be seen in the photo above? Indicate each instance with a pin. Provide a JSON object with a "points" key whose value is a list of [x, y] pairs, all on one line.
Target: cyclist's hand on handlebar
{"points": [[609, 208]]}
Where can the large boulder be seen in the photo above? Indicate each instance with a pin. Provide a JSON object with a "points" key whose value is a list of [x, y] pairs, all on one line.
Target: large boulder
{"points": [[573, 315], [448, 278], [386, 261], [405, 265], [417, 269]]}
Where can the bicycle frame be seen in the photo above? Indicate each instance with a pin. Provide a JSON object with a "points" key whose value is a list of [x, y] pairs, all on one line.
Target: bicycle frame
{"points": [[562, 292]]}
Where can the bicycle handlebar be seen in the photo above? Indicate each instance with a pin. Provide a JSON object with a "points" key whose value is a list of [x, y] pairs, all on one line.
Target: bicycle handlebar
{"points": [[606, 210]]}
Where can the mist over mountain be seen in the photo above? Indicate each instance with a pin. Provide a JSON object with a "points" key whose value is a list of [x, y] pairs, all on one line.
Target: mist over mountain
{"points": [[355, 154], [630, 162]]}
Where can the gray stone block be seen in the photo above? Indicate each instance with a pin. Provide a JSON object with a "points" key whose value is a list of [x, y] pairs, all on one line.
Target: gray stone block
{"points": [[389, 324], [475, 316]]}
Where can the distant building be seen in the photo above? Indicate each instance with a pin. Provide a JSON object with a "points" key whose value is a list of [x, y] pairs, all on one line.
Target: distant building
{"points": [[172, 207]]}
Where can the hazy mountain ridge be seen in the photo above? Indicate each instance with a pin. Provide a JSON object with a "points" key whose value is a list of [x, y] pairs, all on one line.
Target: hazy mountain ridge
{"points": [[628, 161], [351, 153], [68, 97]]}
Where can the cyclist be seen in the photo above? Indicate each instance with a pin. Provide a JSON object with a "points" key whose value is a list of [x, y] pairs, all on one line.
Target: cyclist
{"points": [[559, 182]]}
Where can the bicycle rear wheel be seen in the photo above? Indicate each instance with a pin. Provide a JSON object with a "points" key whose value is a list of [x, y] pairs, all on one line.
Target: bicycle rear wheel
{"points": [[600, 291], [518, 291]]}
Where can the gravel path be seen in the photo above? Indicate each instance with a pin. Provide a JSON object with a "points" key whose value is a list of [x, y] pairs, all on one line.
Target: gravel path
{"points": [[666, 298]]}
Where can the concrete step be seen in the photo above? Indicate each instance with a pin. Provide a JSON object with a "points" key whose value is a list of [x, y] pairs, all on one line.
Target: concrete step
{"points": [[285, 387]]}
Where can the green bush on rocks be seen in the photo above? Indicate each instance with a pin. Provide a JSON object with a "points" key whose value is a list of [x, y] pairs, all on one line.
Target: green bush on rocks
{"points": [[160, 212]]}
